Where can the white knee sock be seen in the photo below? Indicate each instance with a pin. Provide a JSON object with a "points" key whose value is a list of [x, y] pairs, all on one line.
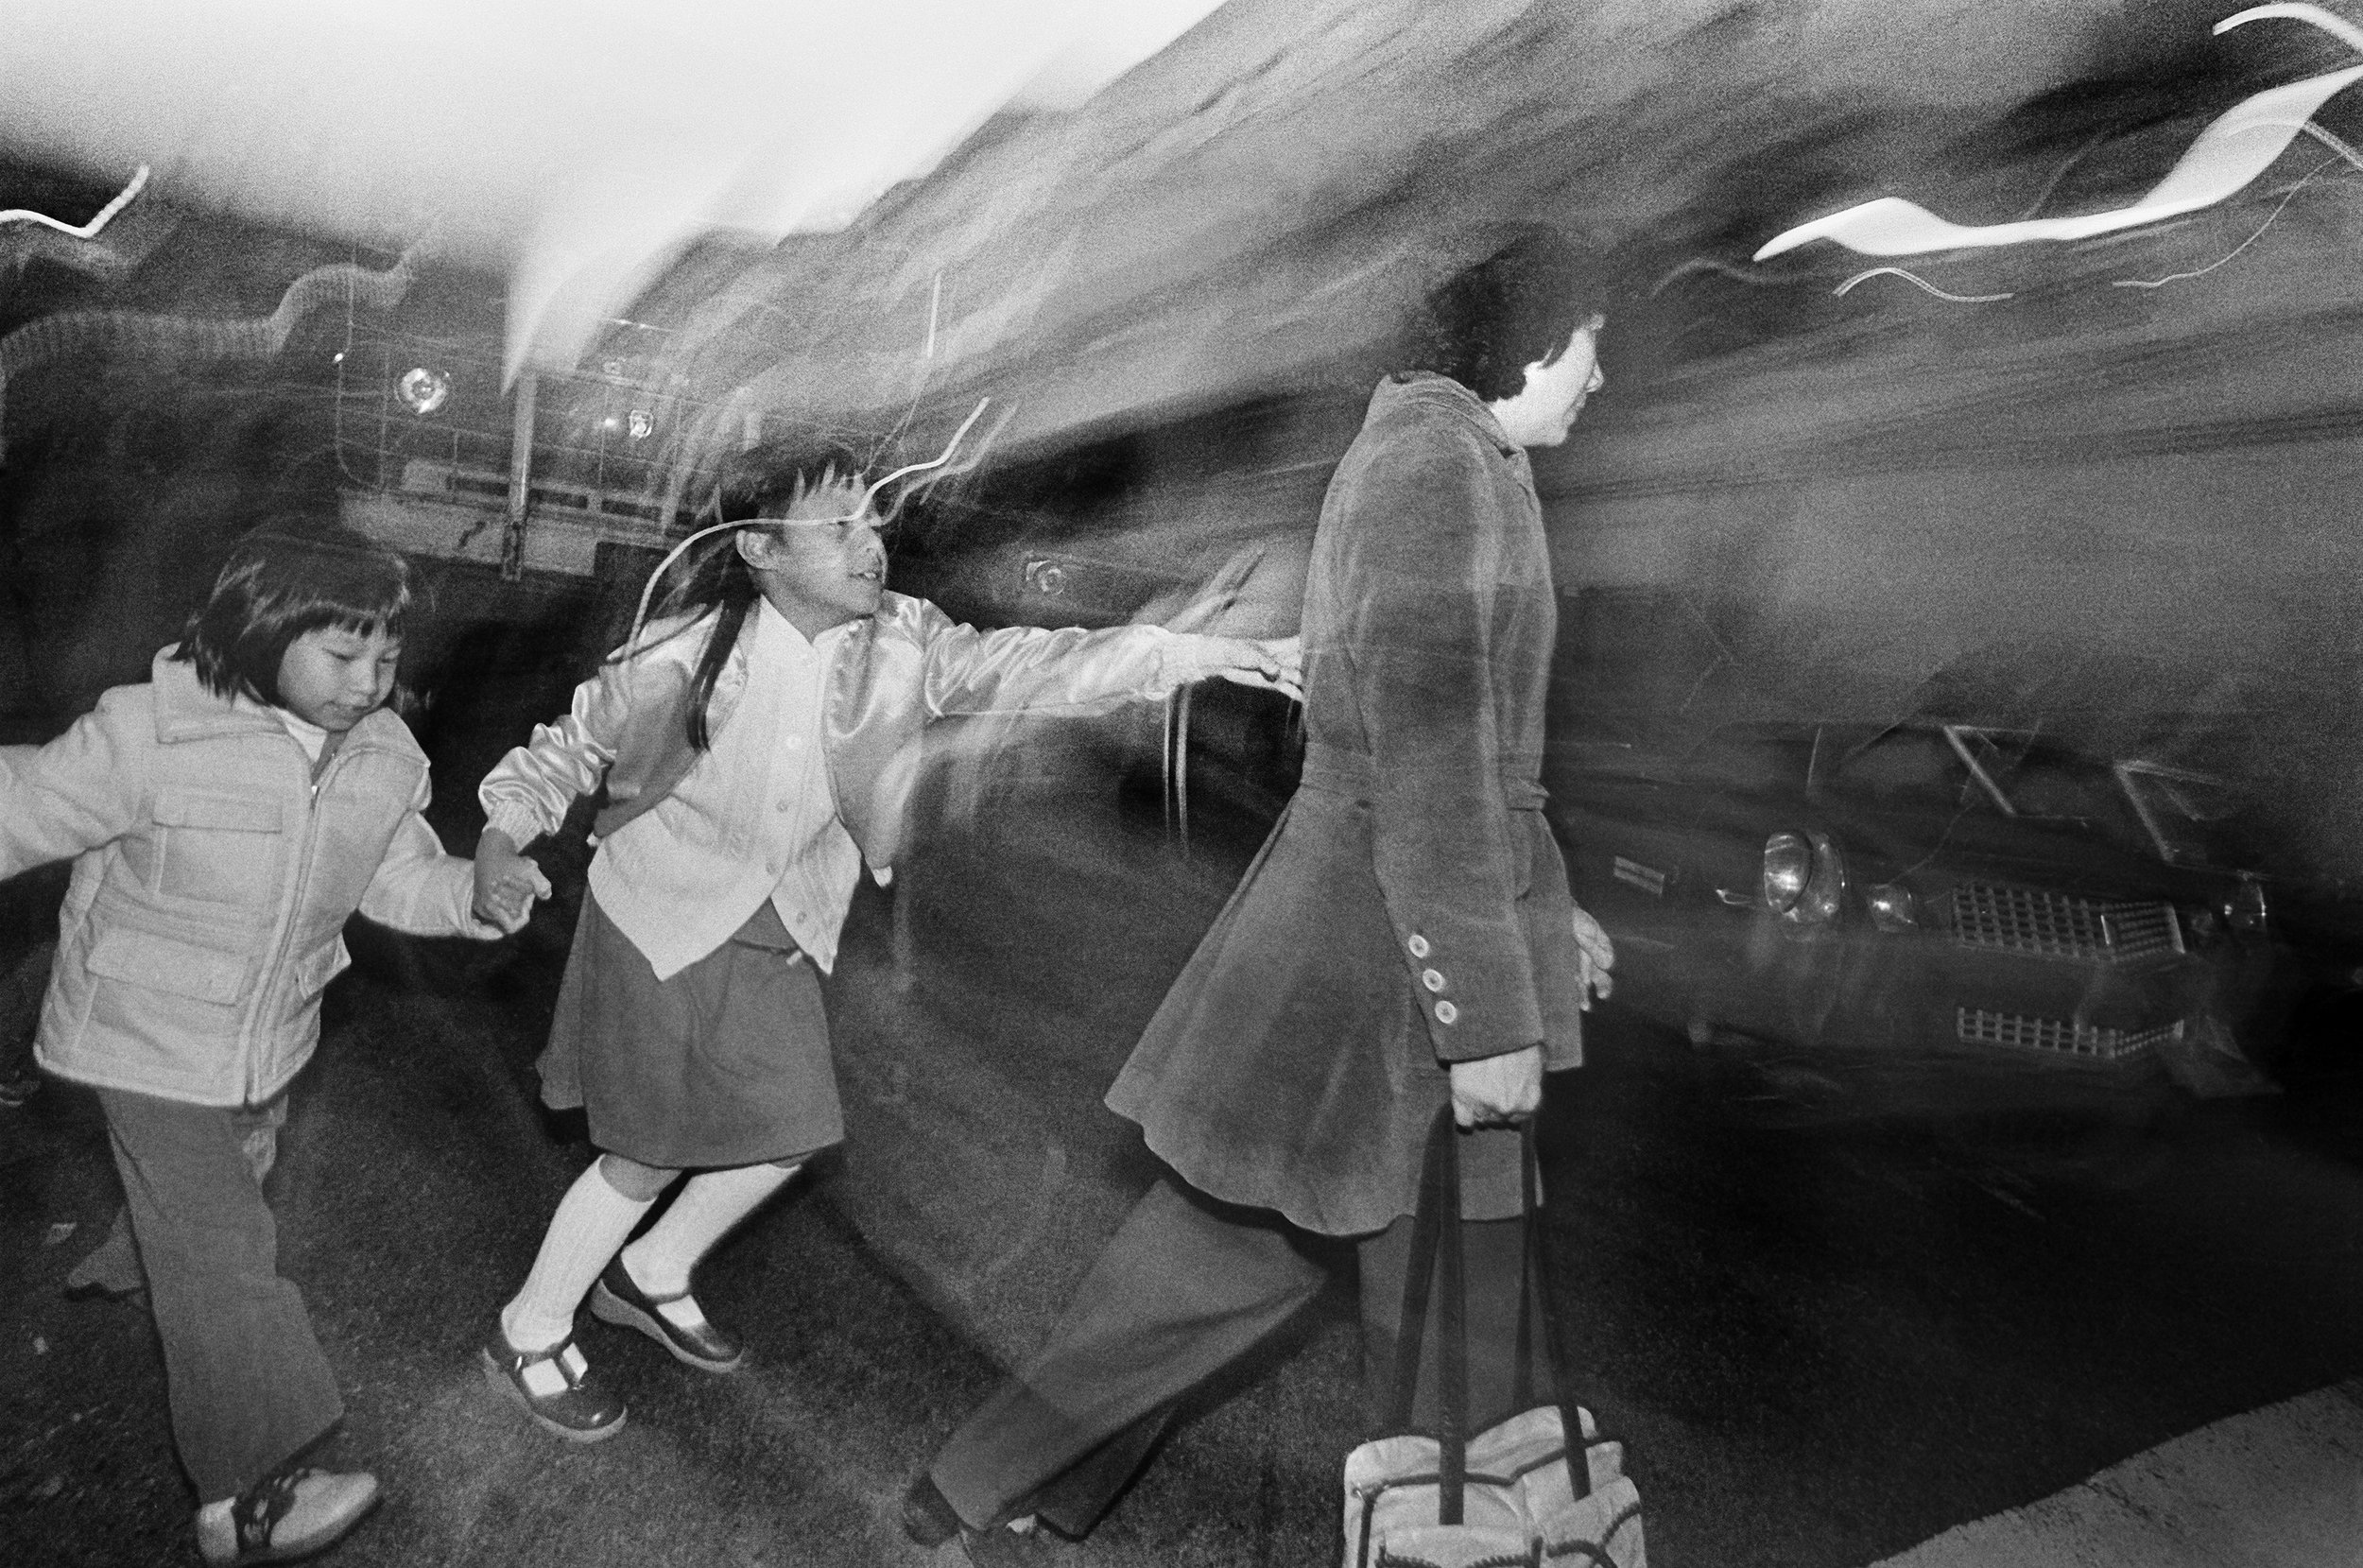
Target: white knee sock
{"points": [[703, 1212], [592, 1221]]}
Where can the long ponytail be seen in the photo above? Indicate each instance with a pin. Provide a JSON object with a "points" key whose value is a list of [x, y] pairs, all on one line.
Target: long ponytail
{"points": [[719, 583]]}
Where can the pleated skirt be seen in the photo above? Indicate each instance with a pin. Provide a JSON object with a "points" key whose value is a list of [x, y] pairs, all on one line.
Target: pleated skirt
{"points": [[726, 1063]]}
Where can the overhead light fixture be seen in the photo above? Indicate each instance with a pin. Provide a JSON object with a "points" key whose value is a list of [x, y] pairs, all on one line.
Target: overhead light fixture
{"points": [[422, 390], [640, 424]]}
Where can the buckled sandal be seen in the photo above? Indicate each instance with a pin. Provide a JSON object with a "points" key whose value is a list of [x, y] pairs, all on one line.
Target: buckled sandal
{"points": [[619, 1300], [555, 1387], [290, 1513]]}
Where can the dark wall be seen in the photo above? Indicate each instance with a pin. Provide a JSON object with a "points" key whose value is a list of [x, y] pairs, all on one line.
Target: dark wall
{"points": [[131, 460]]}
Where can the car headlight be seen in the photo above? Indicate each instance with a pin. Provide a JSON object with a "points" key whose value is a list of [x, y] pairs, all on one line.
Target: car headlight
{"points": [[1824, 887], [1788, 869], [1893, 906], [2245, 912]]}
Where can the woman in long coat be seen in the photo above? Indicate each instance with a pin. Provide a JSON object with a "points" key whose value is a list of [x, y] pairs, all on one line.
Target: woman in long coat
{"points": [[1404, 939]]}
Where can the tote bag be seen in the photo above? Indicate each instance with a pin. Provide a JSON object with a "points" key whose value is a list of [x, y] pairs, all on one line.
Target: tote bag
{"points": [[1517, 1492]]}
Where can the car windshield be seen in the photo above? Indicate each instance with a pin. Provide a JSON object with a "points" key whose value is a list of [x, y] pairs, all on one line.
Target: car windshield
{"points": [[1962, 769], [2189, 814], [1749, 760], [1907, 768]]}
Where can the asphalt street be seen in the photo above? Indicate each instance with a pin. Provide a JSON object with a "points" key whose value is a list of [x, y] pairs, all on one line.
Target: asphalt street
{"points": [[1822, 1344]]}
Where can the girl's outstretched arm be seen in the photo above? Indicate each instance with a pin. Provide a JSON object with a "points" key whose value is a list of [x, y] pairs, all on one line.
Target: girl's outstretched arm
{"points": [[527, 792], [80, 791]]}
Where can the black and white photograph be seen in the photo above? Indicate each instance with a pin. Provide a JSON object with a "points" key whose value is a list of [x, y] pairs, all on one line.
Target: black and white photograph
{"points": [[1182, 783]]}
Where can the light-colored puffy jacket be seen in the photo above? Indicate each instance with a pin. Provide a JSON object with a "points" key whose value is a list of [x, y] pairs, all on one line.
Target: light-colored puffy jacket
{"points": [[212, 882], [900, 668]]}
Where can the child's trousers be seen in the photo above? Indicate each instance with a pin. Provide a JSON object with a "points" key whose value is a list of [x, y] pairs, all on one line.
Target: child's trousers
{"points": [[249, 1386]]}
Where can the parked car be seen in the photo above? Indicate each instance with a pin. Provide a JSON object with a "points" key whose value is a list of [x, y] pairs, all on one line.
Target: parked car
{"points": [[1945, 901]]}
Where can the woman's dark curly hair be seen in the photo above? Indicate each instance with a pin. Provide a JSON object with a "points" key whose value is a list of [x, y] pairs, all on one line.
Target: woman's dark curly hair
{"points": [[1518, 306]]}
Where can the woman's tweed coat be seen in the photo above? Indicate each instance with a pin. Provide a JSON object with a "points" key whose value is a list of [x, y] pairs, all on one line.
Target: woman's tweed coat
{"points": [[1410, 910]]}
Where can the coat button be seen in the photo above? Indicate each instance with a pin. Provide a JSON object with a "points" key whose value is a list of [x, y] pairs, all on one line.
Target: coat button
{"points": [[1448, 1013], [1432, 978], [1417, 944]]}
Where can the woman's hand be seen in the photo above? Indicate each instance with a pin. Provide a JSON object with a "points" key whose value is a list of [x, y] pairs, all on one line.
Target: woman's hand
{"points": [[1597, 956], [1275, 664], [1499, 1091], [507, 883]]}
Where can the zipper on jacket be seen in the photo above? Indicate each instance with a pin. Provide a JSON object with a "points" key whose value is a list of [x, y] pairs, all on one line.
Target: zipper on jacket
{"points": [[295, 906]]}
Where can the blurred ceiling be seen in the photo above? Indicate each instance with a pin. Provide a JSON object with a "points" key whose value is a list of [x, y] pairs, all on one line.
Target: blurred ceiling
{"points": [[570, 143], [1245, 211], [1255, 207], [869, 219]]}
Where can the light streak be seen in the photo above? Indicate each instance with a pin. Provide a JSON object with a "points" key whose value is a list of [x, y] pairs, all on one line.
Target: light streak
{"points": [[2234, 149], [1920, 282], [640, 615], [2061, 173], [1716, 265], [86, 231], [2337, 27], [2287, 197], [76, 334], [938, 461]]}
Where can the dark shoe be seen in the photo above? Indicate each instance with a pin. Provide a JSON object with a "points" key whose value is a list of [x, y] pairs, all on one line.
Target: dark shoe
{"points": [[569, 1402], [1003, 1547], [927, 1516], [288, 1514], [928, 1520], [616, 1299]]}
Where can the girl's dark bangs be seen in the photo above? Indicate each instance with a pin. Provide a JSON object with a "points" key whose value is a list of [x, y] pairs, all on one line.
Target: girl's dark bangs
{"points": [[361, 607]]}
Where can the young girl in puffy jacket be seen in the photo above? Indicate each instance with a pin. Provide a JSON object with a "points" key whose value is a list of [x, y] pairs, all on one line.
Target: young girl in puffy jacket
{"points": [[224, 821]]}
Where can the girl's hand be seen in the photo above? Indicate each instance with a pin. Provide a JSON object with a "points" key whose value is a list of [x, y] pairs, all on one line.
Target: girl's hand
{"points": [[507, 883], [1276, 664]]}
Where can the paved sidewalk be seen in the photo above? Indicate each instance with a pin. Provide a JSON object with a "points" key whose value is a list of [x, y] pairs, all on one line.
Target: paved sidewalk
{"points": [[2276, 1487]]}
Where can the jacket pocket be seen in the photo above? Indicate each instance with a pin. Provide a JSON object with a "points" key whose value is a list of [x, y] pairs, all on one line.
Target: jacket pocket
{"points": [[217, 848], [151, 962]]}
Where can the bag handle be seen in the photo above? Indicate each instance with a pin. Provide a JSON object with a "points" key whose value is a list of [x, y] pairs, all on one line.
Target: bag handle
{"points": [[1436, 1235], [1534, 1300], [1436, 1239]]}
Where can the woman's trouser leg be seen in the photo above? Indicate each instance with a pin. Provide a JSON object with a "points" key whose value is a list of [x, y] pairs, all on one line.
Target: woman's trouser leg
{"points": [[248, 1385], [1185, 1286]]}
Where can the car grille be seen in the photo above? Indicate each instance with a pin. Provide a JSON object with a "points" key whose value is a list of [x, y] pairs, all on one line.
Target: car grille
{"points": [[2061, 925], [2022, 1032]]}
